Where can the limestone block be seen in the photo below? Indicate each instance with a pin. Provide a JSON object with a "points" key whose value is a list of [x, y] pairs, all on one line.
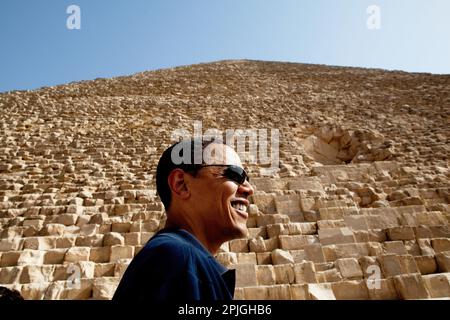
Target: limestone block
{"points": [[307, 204], [256, 293], [9, 259], [278, 292], [76, 254], [246, 275], [296, 242], [122, 209], [350, 290], [121, 227], [113, 238], [411, 286], [246, 257], [69, 290], [264, 258], [298, 255], [100, 254], [426, 264], [265, 275], [33, 291], [288, 204], [335, 236], [39, 243], [440, 244], [305, 272], [10, 244], [369, 265], [121, 252], [67, 241], [95, 240], [9, 275], [104, 288], [400, 233], [382, 289], [425, 247], [104, 270], [266, 219], [393, 265], [227, 258], [54, 229], [349, 268], [299, 292], [443, 260], [394, 247], [302, 228], [76, 210], [54, 256], [438, 285], [30, 257], [89, 229], [239, 293], [120, 267], [330, 275], [265, 202], [356, 222], [284, 273], [239, 245], [257, 232], [321, 291], [67, 219], [37, 274], [132, 238], [146, 236], [329, 252], [274, 230], [280, 256]]}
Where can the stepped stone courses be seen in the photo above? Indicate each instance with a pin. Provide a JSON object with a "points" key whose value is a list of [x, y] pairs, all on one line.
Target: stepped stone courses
{"points": [[363, 191]]}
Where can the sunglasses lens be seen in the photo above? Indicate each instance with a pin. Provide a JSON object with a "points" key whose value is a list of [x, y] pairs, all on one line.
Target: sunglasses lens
{"points": [[236, 174]]}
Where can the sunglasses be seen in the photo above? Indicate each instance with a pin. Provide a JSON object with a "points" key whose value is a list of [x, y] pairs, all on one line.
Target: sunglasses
{"points": [[232, 172]]}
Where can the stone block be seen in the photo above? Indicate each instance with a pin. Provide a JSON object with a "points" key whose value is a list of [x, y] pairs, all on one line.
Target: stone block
{"points": [[321, 291], [246, 257], [9, 259], [426, 264], [280, 256], [104, 288], [440, 244], [54, 256], [100, 254], [299, 292], [30, 257], [382, 289], [246, 275], [104, 270], [239, 245], [443, 261], [265, 275], [121, 252], [400, 233], [284, 274], [264, 258], [393, 265], [76, 254], [279, 292], [112, 239], [411, 286], [335, 236], [296, 242], [438, 285], [349, 268], [305, 272], [350, 290]]}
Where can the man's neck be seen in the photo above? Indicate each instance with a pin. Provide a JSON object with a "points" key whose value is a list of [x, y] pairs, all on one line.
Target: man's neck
{"points": [[197, 232]]}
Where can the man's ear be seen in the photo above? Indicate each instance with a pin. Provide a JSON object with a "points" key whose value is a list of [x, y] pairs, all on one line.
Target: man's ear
{"points": [[177, 183]]}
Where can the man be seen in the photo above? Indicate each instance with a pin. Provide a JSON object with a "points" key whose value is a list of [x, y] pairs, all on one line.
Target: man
{"points": [[206, 205]]}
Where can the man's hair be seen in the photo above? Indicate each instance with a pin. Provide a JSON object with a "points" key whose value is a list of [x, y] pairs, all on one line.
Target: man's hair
{"points": [[10, 295], [166, 165]]}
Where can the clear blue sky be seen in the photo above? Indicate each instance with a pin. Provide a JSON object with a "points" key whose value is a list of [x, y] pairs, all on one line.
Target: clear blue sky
{"points": [[121, 37]]}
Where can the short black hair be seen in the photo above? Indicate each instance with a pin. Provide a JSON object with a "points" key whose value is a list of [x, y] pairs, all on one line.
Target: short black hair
{"points": [[166, 165], [10, 295]]}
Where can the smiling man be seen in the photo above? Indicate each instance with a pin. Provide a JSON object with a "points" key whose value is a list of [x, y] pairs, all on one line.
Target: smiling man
{"points": [[206, 205]]}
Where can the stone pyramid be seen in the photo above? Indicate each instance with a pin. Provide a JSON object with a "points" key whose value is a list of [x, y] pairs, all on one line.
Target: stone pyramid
{"points": [[358, 210]]}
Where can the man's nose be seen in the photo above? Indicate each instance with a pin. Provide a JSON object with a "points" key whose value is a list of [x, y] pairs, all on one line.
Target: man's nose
{"points": [[246, 189]]}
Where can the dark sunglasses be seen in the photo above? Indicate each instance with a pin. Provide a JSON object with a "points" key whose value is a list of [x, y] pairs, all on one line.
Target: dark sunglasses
{"points": [[232, 172]]}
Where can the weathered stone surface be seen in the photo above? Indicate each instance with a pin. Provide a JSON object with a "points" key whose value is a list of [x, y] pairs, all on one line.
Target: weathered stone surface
{"points": [[371, 193]]}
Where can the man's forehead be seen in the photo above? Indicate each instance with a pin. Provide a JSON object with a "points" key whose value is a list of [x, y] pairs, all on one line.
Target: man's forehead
{"points": [[216, 153]]}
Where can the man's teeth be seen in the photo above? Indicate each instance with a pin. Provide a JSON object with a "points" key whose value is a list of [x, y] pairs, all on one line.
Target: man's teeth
{"points": [[239, 206]]}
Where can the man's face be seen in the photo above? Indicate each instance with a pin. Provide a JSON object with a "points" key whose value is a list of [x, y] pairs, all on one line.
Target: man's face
{"points": [[219, 203]]}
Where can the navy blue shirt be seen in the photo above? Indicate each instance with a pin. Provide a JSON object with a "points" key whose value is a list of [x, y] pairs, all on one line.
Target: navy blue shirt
{"points": [[174, 266]]}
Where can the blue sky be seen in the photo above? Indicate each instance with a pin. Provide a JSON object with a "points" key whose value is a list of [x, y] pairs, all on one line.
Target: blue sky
{"points": [[119, 37]]}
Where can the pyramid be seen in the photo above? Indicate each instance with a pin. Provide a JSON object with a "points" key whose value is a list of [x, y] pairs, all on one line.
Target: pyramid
{"points": [[359, 208]]}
